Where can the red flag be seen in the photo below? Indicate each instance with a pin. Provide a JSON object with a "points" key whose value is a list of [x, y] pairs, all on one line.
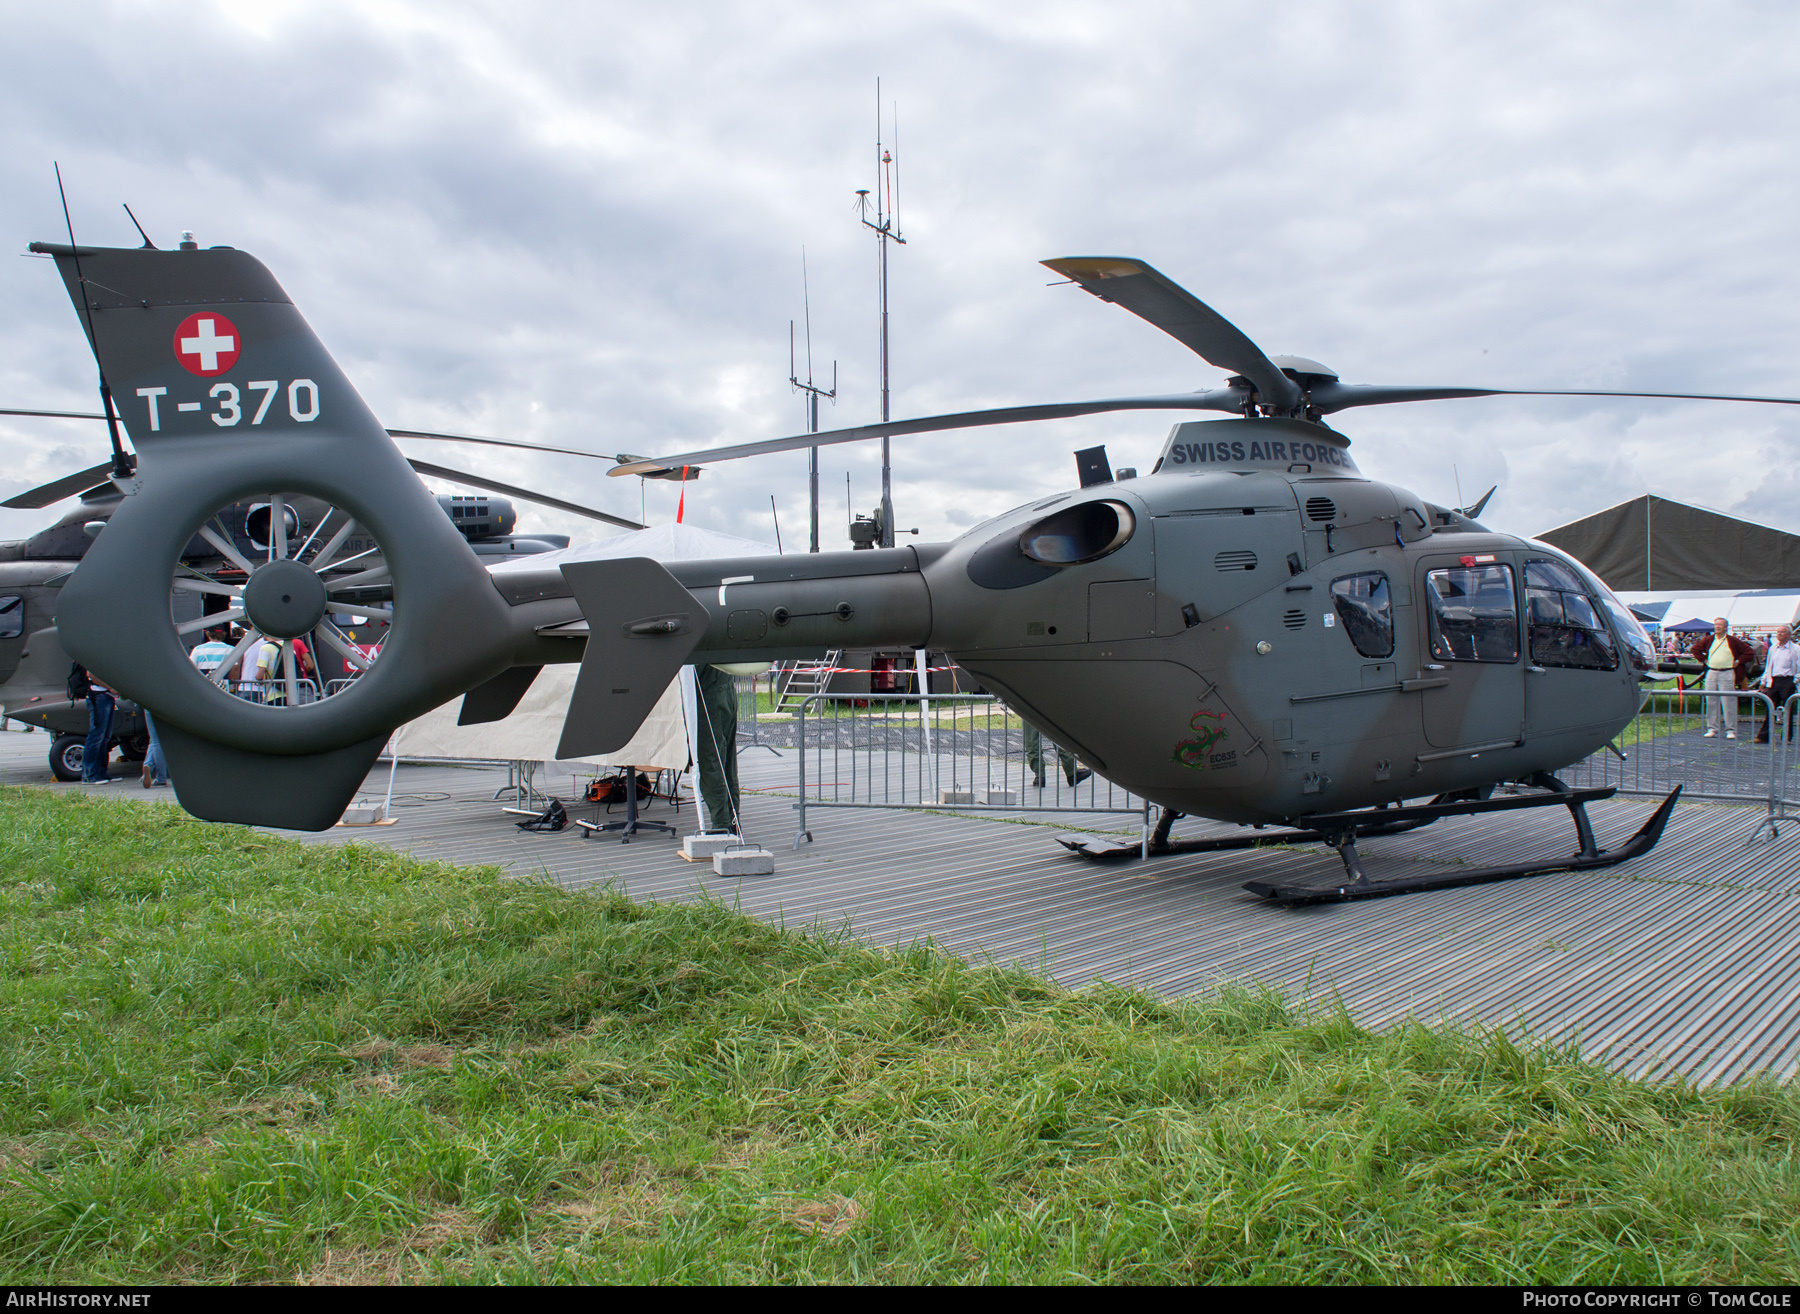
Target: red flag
{"points": [[681, 506]]}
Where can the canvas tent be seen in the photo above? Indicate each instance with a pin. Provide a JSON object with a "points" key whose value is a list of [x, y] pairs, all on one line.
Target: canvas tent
{"points": [[533, 730], [1653, 544]]}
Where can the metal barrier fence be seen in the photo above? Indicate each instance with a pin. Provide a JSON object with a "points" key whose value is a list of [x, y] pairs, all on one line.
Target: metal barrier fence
{"points": [[971, 753], [271, 691], [750, 690], [1709, 743], [954, 752]]}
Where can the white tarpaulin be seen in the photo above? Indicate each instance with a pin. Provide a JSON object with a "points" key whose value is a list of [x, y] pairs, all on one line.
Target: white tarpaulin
{"points": [[1761, 609], [659, 543], [534, 729]]}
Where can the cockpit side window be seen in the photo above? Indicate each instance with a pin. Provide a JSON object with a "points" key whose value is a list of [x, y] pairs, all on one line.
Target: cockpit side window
{"points": [[1473, 616], [1566, 630], [1366, 608], [12, 617]]}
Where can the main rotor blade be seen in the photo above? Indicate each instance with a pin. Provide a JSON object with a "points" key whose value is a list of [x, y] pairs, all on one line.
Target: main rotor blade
{"points": [[1183, 316], [1230, 400], [1329, 395], [524, 494], [57, 489]]}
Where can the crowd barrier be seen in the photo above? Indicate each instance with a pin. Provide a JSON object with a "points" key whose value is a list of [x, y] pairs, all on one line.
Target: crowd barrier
{"points": [[273, 691], [948, 752], [970, 753], [1666, 745]]}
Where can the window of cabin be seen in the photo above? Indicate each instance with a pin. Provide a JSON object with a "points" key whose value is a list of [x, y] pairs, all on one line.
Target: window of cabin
{"points": [[1473, 614], [12, 617], [1366, 609]]}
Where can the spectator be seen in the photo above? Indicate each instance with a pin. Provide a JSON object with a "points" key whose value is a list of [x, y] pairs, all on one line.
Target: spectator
{"points": [[156, 770], [1034, 759], [96, 753], [1780, 671], [208, 656], [1727, 661]]}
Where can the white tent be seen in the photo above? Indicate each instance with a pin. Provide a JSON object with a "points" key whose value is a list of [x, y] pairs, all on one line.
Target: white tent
{"points": [[1759, 609], [534, 729], [659, 543]]}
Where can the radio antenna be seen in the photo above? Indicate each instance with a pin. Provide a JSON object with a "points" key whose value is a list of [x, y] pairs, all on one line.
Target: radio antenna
{"points": [[813, 393], [148, 244], [122, 465], [887, 229]]}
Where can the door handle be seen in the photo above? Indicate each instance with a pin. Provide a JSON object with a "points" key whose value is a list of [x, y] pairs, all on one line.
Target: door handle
{"points": [[1434, 666], [1535, 670]]}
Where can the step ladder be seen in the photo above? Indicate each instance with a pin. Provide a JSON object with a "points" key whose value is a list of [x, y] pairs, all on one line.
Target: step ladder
{"points": [[804, 679]]}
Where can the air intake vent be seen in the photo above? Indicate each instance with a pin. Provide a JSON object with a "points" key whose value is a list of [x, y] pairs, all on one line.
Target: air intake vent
{"points": [[1294, 620], [1321, 508], [1235, 561]]}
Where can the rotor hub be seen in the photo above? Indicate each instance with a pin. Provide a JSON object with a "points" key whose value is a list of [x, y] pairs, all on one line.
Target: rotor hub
{"points": [[284, 599]]}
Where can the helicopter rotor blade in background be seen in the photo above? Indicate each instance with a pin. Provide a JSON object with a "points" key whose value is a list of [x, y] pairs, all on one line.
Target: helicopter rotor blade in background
{"points": [[496, 442], [1161, 301], [55, 415], [1229, 400], [524, 494], [57, 489], [432, 436]]}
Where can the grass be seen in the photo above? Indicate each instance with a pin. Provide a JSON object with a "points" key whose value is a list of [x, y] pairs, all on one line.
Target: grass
{"points": [[231, 1058]]}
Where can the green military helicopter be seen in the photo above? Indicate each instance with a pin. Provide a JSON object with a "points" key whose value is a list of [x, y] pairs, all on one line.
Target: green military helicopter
{"points": [[1252, 632]]}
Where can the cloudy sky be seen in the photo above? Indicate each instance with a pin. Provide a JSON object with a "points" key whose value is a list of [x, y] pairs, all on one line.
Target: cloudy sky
{"points": [[583, 225]]}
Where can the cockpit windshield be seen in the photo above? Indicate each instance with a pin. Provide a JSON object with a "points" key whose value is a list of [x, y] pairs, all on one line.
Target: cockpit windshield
{"points": [[1631, 632]]}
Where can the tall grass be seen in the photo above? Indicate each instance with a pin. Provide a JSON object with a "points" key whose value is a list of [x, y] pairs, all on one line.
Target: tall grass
{"points": [[230, 1057]]}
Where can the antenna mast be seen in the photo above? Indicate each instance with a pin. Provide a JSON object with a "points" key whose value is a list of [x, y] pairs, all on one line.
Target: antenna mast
{"points": [[886, 225], [812, 398]]}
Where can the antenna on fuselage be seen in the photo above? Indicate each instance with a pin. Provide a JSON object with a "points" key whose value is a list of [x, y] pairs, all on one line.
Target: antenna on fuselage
{"points": [[148, 244]]}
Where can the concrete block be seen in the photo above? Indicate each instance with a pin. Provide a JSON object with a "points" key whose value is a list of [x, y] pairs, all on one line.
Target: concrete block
{"points": [[956, 796], [744, 862], [1004, 798], [364, 814], [701, 848]]}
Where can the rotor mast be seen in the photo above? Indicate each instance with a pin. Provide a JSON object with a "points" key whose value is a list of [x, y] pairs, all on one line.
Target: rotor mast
{"points": [[886, 226]]}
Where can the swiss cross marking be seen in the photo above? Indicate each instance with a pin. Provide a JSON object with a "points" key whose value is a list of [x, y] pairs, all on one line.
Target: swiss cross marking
{"points": [[207, 343]]}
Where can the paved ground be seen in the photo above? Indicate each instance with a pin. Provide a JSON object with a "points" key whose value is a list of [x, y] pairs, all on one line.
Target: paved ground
{"points": [[1684, 961]]}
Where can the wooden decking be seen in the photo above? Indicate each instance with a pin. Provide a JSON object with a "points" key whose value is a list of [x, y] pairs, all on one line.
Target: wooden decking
{"points": [[1686, 961]]}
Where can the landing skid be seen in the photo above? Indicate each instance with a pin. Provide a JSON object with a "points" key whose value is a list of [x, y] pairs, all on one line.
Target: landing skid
{"points": [[1341, 830]]}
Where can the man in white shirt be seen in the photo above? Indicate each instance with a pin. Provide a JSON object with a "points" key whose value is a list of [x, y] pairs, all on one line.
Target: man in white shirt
{"points": [[1780, 672]]}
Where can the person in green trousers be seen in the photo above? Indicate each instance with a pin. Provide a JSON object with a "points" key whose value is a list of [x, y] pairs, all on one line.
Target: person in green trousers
{"points": [[717, 763]]}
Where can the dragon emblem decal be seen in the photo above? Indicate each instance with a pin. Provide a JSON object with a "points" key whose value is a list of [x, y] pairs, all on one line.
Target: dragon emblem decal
{"points": [[1209, 727]]}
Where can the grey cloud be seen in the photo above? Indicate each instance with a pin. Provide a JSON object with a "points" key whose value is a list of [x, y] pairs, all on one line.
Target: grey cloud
{"points": [[599, 210]]}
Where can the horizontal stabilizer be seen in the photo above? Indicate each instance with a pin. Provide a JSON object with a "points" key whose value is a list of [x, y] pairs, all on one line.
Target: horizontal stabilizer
{"points": [[495, 700], [642, 625], [302, 792]]}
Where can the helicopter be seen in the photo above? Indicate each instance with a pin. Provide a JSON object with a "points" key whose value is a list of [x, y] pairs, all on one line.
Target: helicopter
{"points": [[1253, 632], [214, 565]]}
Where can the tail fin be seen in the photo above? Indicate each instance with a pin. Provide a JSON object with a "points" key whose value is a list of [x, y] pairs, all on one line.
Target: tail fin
{"points": [[652, 624], [229, 395]]}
